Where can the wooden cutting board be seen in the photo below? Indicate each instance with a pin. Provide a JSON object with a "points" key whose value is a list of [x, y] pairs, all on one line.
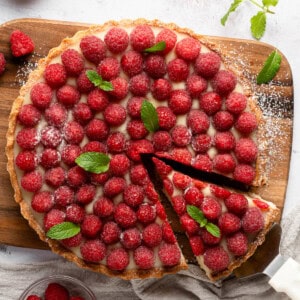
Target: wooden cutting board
{"points": [[276, 101]]}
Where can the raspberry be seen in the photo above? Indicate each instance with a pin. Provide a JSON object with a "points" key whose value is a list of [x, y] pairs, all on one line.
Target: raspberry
{"points": [[210, 102], [161, 89], [138, 175], [56, 115], [160, 211], [211, 208], [178, 70], [116, 142], [26, 160], [236, 103], [110, 233], [146, 213], [223, 120], [125, 216], [162, 140], [169, 37], [103, 207], [133, 195], [20, 43], [53, 217], [229, 223], [167, 233], [97, 130], [72, 61], [169, 254], [117, 259], [69, 153], [202, 162], [115, 114], [73, 132], [64, 195], [56, 291], [209, 239], [181, 181], [91, 226], [181, 155], [33, 297], [68, 95], [29, 115], [152, 235], [151, 193], [134, 105], [189, 225], [114, 186], [201, 143], [163, 169], [55, 75], [131, 238], [75, 213], [109, 68], [42, 201], [49, 158], [207, 64], [119, 164], [116, 40], [224, 82], [73, 241], [216, 259], [2, 63], [244, 173], [50, 137], [195, 85], [120, 88], [245, 150], [193, 196], [141, 37], [85, 194], [32, 181], [224, 141], [84, 85], [93, 250], [97, 100], [82, 113], [237, 244], [136, 129], [139, 84], [180, 102], [166, 118], [140, 146], [76, 176], [143, 257], [224, 163], [93, 48], [198, 121], [246, 123], [99, 179], [236, 203], [252, 220], [55, 176], [155, 66], [181, 136], [178, 204], [261, 204], [197, 245], [94, 146], [41, 95], [132, 63], [219, 192], [188, 48]]}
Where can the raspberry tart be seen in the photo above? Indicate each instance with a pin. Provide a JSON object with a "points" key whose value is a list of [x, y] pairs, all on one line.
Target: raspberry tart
{"points": [[86, 116]]}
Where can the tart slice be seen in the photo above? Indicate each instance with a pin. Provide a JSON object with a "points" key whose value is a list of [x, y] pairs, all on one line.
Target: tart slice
{"points": [[224, 226]]}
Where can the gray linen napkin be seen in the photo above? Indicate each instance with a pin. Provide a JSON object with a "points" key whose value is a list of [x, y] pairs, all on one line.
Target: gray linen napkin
{"points": [[190, 284]]}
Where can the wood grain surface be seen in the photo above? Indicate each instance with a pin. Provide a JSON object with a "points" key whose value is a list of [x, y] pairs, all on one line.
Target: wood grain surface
{"points": [[276, 101]]}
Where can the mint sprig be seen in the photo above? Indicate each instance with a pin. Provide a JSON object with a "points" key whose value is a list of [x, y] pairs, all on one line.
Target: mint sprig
{"points": [[270, 68], [98, 81], [196, 214], [160, 46], [94, 162], [149, 116], [259, 20], [63, 230]]}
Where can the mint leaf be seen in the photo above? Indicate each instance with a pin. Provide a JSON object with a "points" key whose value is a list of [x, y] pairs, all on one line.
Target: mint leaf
{"points": [[258, 24], [234, 5], [63, 230], [98, 82], [149, 116], [213, 229], [196, 214], [270, 2], [94, 162], [160, 46], [270, 68]]}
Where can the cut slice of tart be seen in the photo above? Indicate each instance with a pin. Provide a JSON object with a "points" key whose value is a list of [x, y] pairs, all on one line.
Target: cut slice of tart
{"points": [[224, 226]]}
